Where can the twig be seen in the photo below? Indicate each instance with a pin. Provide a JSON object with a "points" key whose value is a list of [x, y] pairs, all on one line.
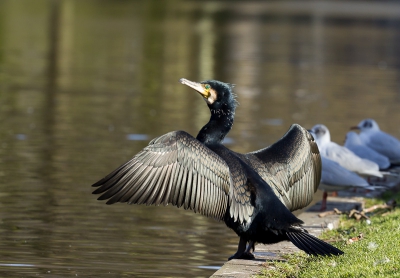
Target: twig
{"points": [[354, 213], [335, 211], [375, 207]]}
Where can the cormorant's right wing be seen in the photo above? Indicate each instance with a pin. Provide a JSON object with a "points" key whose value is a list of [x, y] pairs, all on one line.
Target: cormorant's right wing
{"points": [[177, 169]]}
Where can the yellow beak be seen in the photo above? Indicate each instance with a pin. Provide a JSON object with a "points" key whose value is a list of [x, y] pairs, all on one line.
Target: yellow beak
{"points": [[196, 86]]}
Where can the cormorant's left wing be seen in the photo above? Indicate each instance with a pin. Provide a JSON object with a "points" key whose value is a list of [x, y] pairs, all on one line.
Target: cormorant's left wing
{"points": [[291, 166]]}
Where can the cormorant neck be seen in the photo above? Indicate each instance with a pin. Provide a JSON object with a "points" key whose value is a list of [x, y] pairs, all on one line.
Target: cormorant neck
{"points": [[217, 128]]}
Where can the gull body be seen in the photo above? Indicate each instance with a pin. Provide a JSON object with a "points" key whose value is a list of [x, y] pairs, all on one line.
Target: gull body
{"points": [[335, 177], [380, 141], [342, 155], [354, 143]]}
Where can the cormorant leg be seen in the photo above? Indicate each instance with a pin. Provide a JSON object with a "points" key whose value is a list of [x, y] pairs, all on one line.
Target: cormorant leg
{"points": [[244, 252], [241, 249], [248, 253], [250, 247]]}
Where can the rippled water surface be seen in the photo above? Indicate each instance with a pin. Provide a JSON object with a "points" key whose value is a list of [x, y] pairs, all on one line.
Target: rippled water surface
{"points": [[84, 85]]}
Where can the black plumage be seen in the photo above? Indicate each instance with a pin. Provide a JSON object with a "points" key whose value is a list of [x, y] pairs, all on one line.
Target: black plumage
{"points": [[253, 193]]}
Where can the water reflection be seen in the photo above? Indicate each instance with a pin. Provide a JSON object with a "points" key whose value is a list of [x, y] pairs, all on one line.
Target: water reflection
{"points": [[84, 86]]}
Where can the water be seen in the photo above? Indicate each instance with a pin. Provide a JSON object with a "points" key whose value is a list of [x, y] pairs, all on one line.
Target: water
{"points": [[85, 84]]}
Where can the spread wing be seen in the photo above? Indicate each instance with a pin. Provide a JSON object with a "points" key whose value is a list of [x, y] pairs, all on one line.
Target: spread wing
{"points": [[176, 169], [291, 166]]}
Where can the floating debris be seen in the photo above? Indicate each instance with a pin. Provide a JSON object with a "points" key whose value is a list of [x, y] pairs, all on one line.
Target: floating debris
{"points": [[20, 136], [273, 122], [137, 137]]}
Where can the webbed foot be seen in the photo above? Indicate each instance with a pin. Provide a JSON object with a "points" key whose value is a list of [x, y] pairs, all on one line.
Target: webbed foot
{"points": [[243, 256], [244, 253]]}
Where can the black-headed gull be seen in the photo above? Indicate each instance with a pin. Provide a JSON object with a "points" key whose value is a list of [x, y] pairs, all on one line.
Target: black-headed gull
{"points": [[353, 143], [342, 155], [380, 141], [334, 177]]}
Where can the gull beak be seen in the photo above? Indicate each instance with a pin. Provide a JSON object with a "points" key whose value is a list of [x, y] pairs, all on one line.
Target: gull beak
{"points": [[354, 128]]}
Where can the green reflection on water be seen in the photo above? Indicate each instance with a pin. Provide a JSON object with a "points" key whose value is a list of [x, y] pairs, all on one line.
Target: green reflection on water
{"points": [[77, 77]]}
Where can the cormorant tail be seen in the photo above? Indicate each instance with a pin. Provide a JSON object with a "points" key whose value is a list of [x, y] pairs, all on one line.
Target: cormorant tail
{"points": [[312, 245]]}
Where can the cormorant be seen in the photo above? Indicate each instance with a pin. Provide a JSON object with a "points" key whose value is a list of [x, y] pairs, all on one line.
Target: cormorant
{"points": [[253, 193]]}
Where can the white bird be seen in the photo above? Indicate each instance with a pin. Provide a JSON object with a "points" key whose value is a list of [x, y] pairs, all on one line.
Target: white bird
{"points": [[353, 143], [380, 141], [334, 177], [342, 155]]}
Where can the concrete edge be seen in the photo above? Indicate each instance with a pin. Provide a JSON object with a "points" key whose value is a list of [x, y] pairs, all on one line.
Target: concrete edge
{"points": [[314, 224]]}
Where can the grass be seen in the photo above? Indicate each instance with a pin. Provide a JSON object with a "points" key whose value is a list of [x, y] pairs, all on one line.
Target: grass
{"points": [[376, 253]]}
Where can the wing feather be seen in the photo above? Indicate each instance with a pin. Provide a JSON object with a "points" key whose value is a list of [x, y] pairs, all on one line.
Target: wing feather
{"points": [[187, 196], [123, 185], [182, 188], [164, 186], [171, 187], [200, 190], [193, 203], [152, 188], [145, 190], [151, 191], [206, 201], [173, 169], [176, 185], [114, 177], [214, 200]]}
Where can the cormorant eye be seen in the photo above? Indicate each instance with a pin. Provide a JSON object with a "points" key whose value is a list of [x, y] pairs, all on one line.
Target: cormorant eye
{"points": [[207, 87]]}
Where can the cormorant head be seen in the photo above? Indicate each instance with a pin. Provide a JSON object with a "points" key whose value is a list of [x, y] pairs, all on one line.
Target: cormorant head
{"points": [[367, 125], [218, 95]]}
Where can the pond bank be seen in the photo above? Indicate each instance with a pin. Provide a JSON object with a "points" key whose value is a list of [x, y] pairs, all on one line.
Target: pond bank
{"points": [[314, 224]]}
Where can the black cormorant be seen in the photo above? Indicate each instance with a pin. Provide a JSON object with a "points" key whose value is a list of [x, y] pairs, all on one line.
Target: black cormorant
{"points": [[253, 193]]}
